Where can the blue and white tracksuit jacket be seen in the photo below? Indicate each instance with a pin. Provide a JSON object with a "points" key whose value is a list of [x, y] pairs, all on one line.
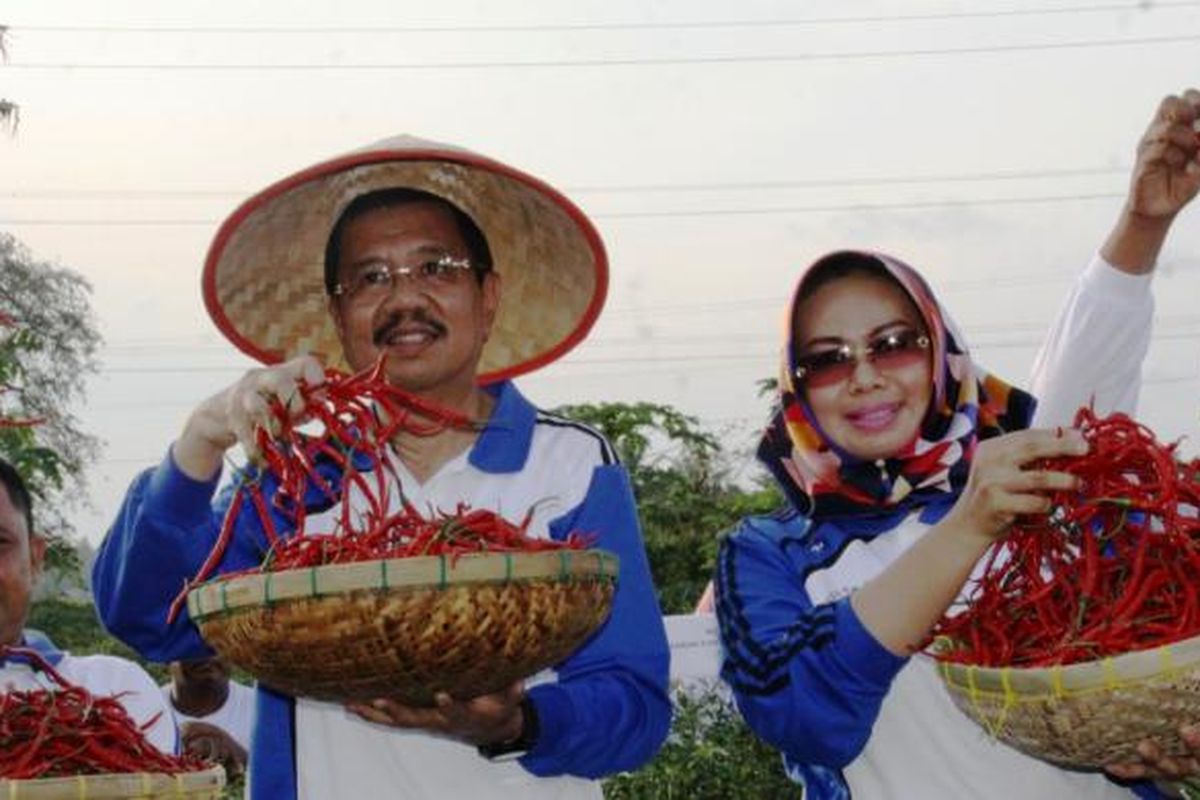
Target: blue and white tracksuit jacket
{"points": [[605, 708]]}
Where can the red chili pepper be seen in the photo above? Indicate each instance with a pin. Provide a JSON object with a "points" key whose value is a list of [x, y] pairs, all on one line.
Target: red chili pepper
{"points": [[66, 731], [1078, 584], [359, 416], [214, 556]]}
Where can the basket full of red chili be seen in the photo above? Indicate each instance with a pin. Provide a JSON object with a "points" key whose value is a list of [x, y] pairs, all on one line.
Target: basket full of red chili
{"points": [[408, 628], [1080, 636], [388, 600], [64, 742]]}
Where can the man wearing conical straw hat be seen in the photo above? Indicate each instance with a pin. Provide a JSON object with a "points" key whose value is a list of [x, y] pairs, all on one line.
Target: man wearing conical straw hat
{"points": [[464, 273]]}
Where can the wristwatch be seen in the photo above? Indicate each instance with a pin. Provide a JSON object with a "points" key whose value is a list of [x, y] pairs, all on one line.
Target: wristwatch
{"points": [[515, 748]]}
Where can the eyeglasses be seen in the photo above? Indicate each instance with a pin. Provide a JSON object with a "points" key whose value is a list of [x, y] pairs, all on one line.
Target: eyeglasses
{"points": [[887, 351], [377, 280]]}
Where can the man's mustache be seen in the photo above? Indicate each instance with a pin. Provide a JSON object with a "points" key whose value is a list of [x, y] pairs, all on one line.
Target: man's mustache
{"points": [[396, 319]]}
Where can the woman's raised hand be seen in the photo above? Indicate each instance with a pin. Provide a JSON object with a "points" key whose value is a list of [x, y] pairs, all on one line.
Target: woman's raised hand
{"points": [[1167, 174], [1166, 177]]}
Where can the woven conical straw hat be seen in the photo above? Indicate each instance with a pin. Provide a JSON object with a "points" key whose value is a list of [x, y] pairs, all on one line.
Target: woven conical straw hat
{"points": [[263, 277]]}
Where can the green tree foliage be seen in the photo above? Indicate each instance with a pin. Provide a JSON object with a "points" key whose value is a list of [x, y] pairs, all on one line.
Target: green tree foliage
{"points": [[685, 496], [710, 755], [75, 627], [48, 342], [10, 112]]}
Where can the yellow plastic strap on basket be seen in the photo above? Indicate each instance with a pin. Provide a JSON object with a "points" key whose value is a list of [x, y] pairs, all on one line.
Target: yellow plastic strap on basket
{"points": [[179, 787], [442, 572], [1111, 681], [147, 784], [600, 564], [1056, 681], [82, 785], [383, 573], [564, 564], [507, 567], [1010, 700], [972, 688], [973, 694], [267, 588], [224, 597], [1167, 661], [312, 581]]}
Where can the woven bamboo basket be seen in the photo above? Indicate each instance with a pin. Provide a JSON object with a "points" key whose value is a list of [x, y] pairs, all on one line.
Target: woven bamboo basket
{"points": [[1090, 714], [408, 628], [203, 785]]}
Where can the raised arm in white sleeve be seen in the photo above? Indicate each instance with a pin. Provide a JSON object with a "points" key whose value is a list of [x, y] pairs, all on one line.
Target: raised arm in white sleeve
{"points": [[1095, 348], [1094, 351]]}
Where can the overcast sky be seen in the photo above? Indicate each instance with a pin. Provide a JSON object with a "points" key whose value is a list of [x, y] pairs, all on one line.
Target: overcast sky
{"points": [[718, 146]]}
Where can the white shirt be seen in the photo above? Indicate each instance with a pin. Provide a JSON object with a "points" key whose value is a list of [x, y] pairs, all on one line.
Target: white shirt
{"points": [[375, 761], [1096, 346], [235, 716], [898, 766]]}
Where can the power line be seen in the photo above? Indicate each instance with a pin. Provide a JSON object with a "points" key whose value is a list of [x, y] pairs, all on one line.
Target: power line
{"points": [[1186, 326], [943, 288], [110, 222], [733, 212], [800, 183], [776, 302], [1174, 324], [765, 353], [722, 358], [857, 207], [58, 194], [614, 62], [967, 177], [606, 26]]}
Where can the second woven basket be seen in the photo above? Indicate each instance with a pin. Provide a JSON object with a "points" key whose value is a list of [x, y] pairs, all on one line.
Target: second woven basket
{"points": [[1086, 715]]}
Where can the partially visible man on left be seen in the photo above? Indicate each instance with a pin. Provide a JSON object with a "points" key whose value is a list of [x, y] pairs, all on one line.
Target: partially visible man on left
{"points": [[22, 551]]}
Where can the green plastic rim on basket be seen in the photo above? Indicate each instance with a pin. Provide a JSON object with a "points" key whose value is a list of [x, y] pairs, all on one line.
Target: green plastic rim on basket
{"points": [[408, 628]]}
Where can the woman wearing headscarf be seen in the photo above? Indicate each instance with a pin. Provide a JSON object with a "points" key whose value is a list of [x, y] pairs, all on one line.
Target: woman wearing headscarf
{"points": [[902, 461]]}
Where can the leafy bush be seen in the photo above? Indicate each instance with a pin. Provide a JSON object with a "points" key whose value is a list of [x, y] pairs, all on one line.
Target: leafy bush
{"points": [[684, 492], [75, 627], [710, 755]]}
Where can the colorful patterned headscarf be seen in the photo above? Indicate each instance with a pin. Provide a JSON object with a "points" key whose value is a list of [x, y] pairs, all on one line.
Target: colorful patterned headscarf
{"points": [[967, 405]]}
